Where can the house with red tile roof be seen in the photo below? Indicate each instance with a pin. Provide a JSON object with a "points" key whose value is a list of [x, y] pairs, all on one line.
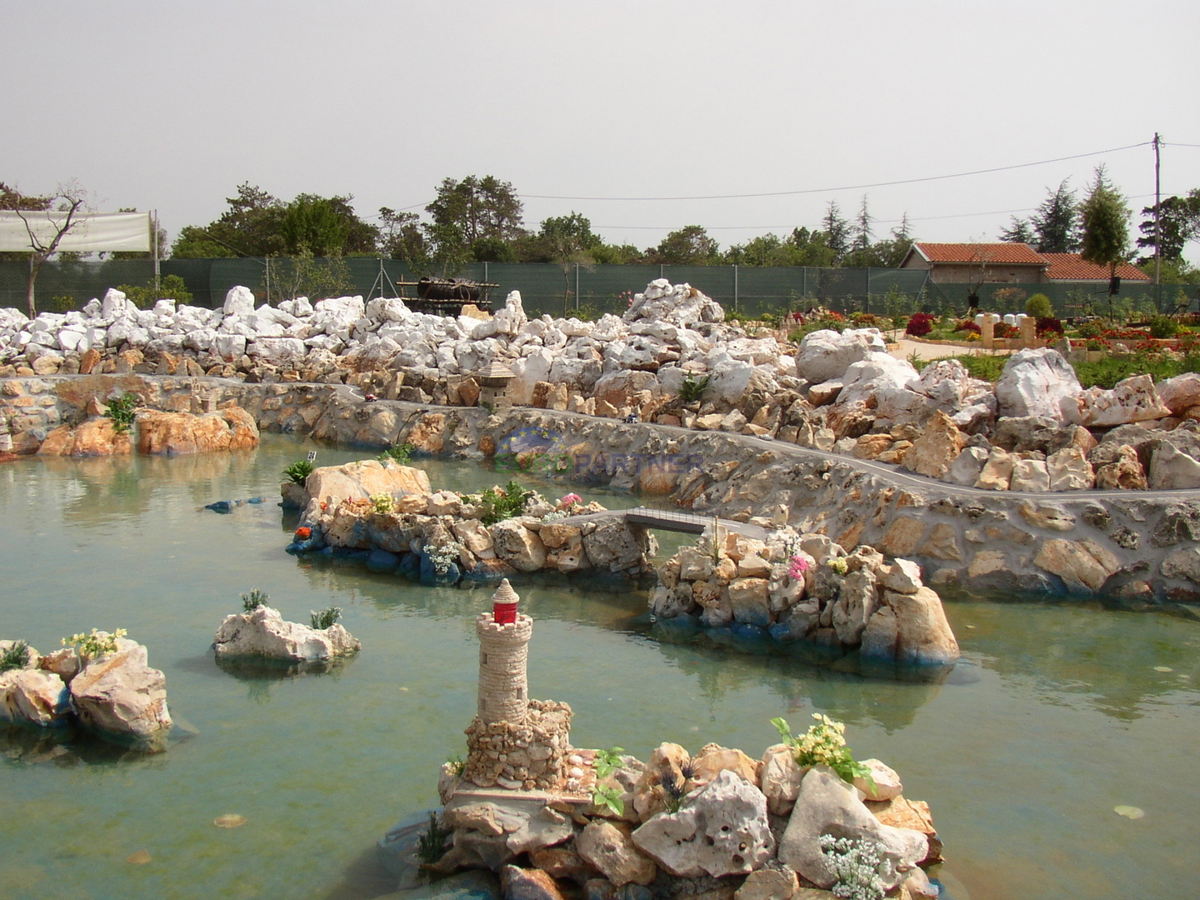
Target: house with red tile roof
{"points": [[976, 264], [1070, 268]]}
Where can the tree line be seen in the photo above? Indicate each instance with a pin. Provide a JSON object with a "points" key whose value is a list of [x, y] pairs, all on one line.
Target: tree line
{"points": [[475, 219]]}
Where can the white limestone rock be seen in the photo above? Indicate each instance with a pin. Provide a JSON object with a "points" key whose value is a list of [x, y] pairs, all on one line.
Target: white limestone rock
{"points": [[1172, 469], [679, 304], [1132, 400], [612, 852], [264, 633], [122, 698], [34, 696], [828, 805], [1039, 383], [722, 829], [115, 304], [238, 301], [825, 355]]}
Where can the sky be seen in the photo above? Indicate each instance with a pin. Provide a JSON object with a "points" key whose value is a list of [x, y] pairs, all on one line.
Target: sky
{"points": [[622, 111]]}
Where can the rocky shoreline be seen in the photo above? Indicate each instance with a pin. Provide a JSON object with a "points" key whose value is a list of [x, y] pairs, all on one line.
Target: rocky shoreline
{"points": [[1138, 546]]}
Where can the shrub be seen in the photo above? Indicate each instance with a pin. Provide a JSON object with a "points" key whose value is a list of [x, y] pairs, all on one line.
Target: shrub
{"points": [[326, 617], [15, 657], [1090, 329], [401, 455], [122, 411], [968, 326], [1163, 327], [1039, 307], [253, 600], [298, 471], [171, 287], [431, 843], [98, 643], [498, 504], [824, 744], [693, 389], [919, 325], [1049, 325], [1004, 330], [382, 504]]}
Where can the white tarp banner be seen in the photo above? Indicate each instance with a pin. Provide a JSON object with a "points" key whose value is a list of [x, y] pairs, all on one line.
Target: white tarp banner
{"points": [[95, 231]]}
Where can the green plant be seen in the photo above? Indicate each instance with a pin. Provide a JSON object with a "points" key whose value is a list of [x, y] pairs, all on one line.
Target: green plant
{"points": [[298, 471], [401, 455], [1089, 329], [606, 763], [253, 600], [383, 503], [497, 504], [693, 389], [169, 286], [1039, 307], [15, 657], [1163, 327], [121, 411], [96, 644], [824, 744], [863, 873], [326, 617], [456, 763], [431, 843]]}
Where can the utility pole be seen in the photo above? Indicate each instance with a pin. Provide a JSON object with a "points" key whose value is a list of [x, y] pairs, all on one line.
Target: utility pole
{"points": [[1157, 215]]}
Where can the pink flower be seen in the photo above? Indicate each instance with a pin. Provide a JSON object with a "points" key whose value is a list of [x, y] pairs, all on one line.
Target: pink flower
{"points": [[798, 567], [569, 500]]}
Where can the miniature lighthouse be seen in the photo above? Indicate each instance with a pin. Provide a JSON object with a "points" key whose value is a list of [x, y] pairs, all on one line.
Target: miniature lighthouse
{"points": [[503, 654], [514, 742]]}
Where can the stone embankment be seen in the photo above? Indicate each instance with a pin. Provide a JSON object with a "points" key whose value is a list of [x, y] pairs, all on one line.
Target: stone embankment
{"points": [[389, 516], [1137, 544], [805, 587], [111, 692]]}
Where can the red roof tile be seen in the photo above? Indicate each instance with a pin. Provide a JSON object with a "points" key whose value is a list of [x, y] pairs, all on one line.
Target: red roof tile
{"points": [[1071, 267], [1001, 253]]}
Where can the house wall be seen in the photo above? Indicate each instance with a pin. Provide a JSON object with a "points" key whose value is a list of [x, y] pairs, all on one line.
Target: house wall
{"points": [[960, 274]]}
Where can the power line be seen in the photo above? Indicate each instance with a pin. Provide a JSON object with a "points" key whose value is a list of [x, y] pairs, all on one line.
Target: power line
{"points": [[852, 187]]}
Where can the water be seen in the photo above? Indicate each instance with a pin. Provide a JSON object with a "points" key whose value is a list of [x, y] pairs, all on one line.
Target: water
{"points": [[1056, 714]]}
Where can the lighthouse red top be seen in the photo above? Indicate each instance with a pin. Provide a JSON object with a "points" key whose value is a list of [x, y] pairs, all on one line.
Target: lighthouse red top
{"points": [[504, 604]]}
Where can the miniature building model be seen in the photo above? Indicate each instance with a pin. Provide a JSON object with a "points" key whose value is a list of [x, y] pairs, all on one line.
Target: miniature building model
{"points": [[493, 384], [514, 742], [503, 653]]}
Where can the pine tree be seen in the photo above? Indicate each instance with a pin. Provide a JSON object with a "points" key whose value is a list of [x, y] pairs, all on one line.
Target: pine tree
{"points": [[1056, 222]]}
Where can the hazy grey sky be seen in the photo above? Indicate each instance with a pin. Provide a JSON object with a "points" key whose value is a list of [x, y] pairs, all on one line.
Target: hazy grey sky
{"points": [[170, 106]]}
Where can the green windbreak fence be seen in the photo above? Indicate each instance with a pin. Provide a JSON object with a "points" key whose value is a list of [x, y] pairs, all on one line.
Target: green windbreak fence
{"points": [[586, 291]]}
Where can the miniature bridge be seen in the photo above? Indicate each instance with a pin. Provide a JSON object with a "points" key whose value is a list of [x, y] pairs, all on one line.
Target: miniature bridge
{"points": [[669, 520]]}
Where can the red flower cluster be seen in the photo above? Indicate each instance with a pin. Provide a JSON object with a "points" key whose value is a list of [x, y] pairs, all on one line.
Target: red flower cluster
{"points": [[968, 325], [303, 533]]}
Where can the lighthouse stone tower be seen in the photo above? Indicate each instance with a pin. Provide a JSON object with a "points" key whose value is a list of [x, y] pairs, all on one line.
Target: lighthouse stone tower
{"points": [[503, 654], [513, 742]]}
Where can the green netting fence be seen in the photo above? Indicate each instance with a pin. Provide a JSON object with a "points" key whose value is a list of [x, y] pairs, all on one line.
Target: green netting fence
{"points": [[588, 291]]}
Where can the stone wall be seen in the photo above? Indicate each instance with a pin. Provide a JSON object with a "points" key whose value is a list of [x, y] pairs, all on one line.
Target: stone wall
{"points": [[1138, 545]]}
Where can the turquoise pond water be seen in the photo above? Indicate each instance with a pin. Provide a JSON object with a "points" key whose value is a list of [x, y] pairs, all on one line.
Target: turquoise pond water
{"points": [[1056, 714]]}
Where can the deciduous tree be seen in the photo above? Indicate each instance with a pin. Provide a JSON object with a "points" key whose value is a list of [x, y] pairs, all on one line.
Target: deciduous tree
{"points": [[1179, 221], [63, 210], [689, 246]]}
